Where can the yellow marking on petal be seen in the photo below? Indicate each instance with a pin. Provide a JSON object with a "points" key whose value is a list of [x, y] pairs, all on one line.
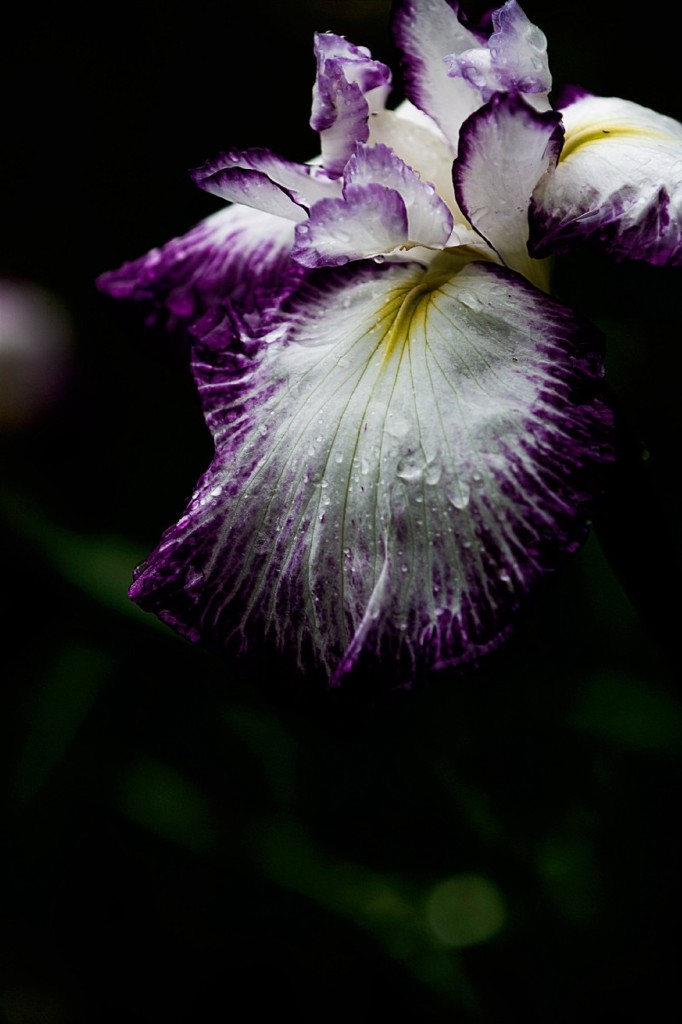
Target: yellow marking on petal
{"points": [[595, 131], [446, 265]]}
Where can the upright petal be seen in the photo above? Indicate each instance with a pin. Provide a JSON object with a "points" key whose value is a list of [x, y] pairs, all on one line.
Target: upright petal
{"points": [[618, 184], [349, 86], [399, 459], [385, 207], [418, 141], [425, 32], [505, 149], [514, 59], [235, 252]]}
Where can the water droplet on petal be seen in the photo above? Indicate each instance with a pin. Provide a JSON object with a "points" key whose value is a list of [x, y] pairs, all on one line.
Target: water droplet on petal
{"points": [[410, 469], [457, 493]]}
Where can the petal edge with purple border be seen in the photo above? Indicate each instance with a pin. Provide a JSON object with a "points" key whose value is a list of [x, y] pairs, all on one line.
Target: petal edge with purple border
{"points": [[237, 252], [399, 459], [617, 186]]}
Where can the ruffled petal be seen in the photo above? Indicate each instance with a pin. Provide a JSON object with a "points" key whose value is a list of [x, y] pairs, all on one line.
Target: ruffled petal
{"points": [[349, 86], [505, 149], [418, 142], [237, 252], [618, 184], [429, 220], [513, 60], [519, 52], [259, 178], [399, 459], [425, 32], [370, 220]]}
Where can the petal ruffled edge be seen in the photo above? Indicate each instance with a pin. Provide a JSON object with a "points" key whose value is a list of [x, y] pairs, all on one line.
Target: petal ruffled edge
{"points": [[237, 252], [401, 459], [349, 85]]}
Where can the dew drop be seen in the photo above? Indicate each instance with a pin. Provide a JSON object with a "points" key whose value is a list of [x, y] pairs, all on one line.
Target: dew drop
{"points": [[410, 469], [457, 493]]}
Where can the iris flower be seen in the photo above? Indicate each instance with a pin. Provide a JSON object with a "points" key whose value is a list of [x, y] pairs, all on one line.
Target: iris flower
{"points": [[410, 431]]}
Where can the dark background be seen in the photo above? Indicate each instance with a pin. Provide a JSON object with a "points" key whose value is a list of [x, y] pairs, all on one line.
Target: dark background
{"points": [[180, 846]]}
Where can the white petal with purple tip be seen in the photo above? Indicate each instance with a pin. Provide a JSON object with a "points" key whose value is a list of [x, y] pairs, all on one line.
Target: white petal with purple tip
{"points": [[618, 184], [425, 32], [370, 220], [505, 148], [348, 87], [429, 220], [265, 181]]}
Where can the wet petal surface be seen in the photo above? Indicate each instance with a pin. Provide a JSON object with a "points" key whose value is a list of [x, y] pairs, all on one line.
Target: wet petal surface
{"points": [[398, 460], [618, 184], [425, 32], [237, 251], [506, 147]]}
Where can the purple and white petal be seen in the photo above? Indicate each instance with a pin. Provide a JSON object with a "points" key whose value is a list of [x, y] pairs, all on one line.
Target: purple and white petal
{"points": [[519, 54], [371, 76], [505, 149], [399, 460], [236, 252], [418, 141], [265, 181], [429, 221], [425, 32], [370, 220], [349, 86], [618, 184], [514, 59]]}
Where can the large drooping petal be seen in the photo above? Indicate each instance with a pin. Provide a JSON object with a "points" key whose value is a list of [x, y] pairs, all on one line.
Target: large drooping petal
{"points": [[236, 252], [349, 86], [425, 32], [399, 459], [385, 206], [505, 149], [265, 181], [618, 184]]}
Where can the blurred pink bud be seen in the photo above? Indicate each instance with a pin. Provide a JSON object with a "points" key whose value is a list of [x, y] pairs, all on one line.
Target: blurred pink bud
{"points": [[35, 351]]}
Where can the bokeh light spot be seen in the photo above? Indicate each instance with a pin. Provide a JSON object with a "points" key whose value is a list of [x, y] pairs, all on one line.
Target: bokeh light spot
{"points": [[465, 910]]}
